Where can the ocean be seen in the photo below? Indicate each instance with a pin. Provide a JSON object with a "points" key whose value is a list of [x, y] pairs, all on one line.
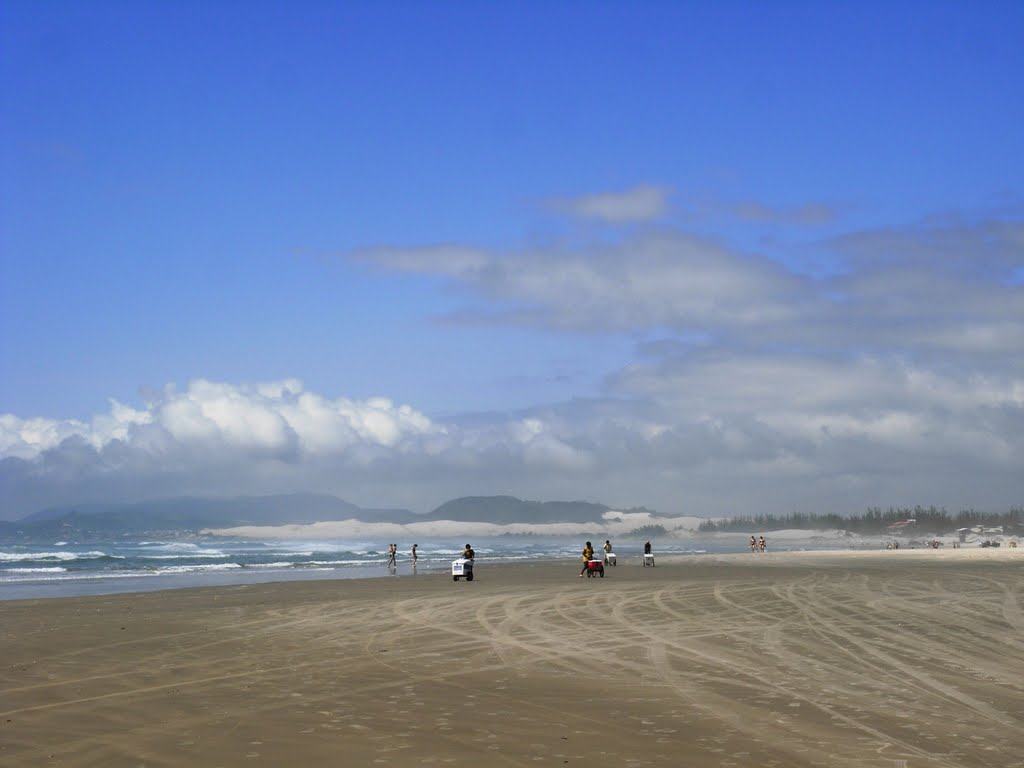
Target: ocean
{"points": [[66, 569]]}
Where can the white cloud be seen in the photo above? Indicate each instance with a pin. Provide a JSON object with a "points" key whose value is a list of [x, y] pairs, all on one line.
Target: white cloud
{"points": [[896, 380], [925, 290], [676, 280], [27, 438], [709, 435], [644, 202], [269, 417]]}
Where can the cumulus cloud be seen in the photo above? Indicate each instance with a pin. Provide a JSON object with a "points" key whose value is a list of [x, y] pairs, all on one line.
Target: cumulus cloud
{"points": [[276, 419], [707, 434], [223, 438]]}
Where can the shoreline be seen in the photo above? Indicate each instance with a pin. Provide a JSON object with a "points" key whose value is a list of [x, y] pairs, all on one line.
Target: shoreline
{"points": [[853, 659], [105, 585]]}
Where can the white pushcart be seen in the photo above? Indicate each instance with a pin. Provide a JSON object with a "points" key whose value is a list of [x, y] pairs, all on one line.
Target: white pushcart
{"points": [[462, 567]]}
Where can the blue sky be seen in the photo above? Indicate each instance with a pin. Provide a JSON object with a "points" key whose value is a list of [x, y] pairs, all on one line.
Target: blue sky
{"points": [[707, 257]]}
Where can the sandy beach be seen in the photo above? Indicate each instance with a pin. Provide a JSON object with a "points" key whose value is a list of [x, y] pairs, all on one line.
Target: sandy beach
{"points": [[893, 659]]}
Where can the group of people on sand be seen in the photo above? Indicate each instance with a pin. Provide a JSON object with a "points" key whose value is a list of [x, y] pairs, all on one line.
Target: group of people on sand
{"points": [[393, 555], [609, 555], [392, 561], [758, 544], [588, 554]]}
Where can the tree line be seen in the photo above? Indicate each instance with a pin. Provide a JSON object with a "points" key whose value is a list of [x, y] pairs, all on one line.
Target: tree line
{"points": [[873, 521]]}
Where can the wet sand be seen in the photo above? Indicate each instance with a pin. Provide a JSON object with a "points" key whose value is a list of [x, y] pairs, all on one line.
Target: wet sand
{"points": [[912, 658]]}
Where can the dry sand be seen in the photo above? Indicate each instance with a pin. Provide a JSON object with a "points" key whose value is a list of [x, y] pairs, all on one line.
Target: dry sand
{"points": [[910, 658]]}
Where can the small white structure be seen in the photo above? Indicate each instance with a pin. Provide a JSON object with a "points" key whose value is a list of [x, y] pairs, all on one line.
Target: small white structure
{"points": [[649, 559], [609, 558]]}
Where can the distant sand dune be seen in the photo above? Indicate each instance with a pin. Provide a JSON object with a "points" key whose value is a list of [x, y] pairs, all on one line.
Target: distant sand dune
{"points": [[785, 659]]}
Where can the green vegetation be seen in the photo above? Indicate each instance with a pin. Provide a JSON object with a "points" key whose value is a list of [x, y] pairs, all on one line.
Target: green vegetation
{"points": [[874, 521]]}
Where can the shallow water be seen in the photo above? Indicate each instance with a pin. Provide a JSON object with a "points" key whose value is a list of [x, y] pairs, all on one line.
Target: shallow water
{"points": [[66, 569]]}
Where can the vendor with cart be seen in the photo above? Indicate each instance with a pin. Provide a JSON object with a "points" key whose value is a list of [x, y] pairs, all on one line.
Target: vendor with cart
{"points": [[588, 553], [463, 567], [609, 556]]}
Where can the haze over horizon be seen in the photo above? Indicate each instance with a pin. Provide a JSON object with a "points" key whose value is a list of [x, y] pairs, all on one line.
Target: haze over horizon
{"points": [[702, 258]]}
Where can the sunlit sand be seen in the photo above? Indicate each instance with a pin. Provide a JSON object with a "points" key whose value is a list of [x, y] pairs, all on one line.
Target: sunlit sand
{"points": [[912, 658]]}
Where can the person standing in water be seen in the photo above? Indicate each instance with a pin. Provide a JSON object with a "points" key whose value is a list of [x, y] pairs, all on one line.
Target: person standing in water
{"points": [[413, 553], [392, 555]]}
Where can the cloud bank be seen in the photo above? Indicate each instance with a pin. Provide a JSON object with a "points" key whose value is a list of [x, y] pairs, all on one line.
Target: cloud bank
{"points": [[896, 379]]}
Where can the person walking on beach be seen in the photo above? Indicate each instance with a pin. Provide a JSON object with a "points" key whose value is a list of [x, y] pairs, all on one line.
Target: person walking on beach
{"points": [[588, 552], [607, 552], [413, 553], [392, 555], [762, 544], [753, 544]]}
